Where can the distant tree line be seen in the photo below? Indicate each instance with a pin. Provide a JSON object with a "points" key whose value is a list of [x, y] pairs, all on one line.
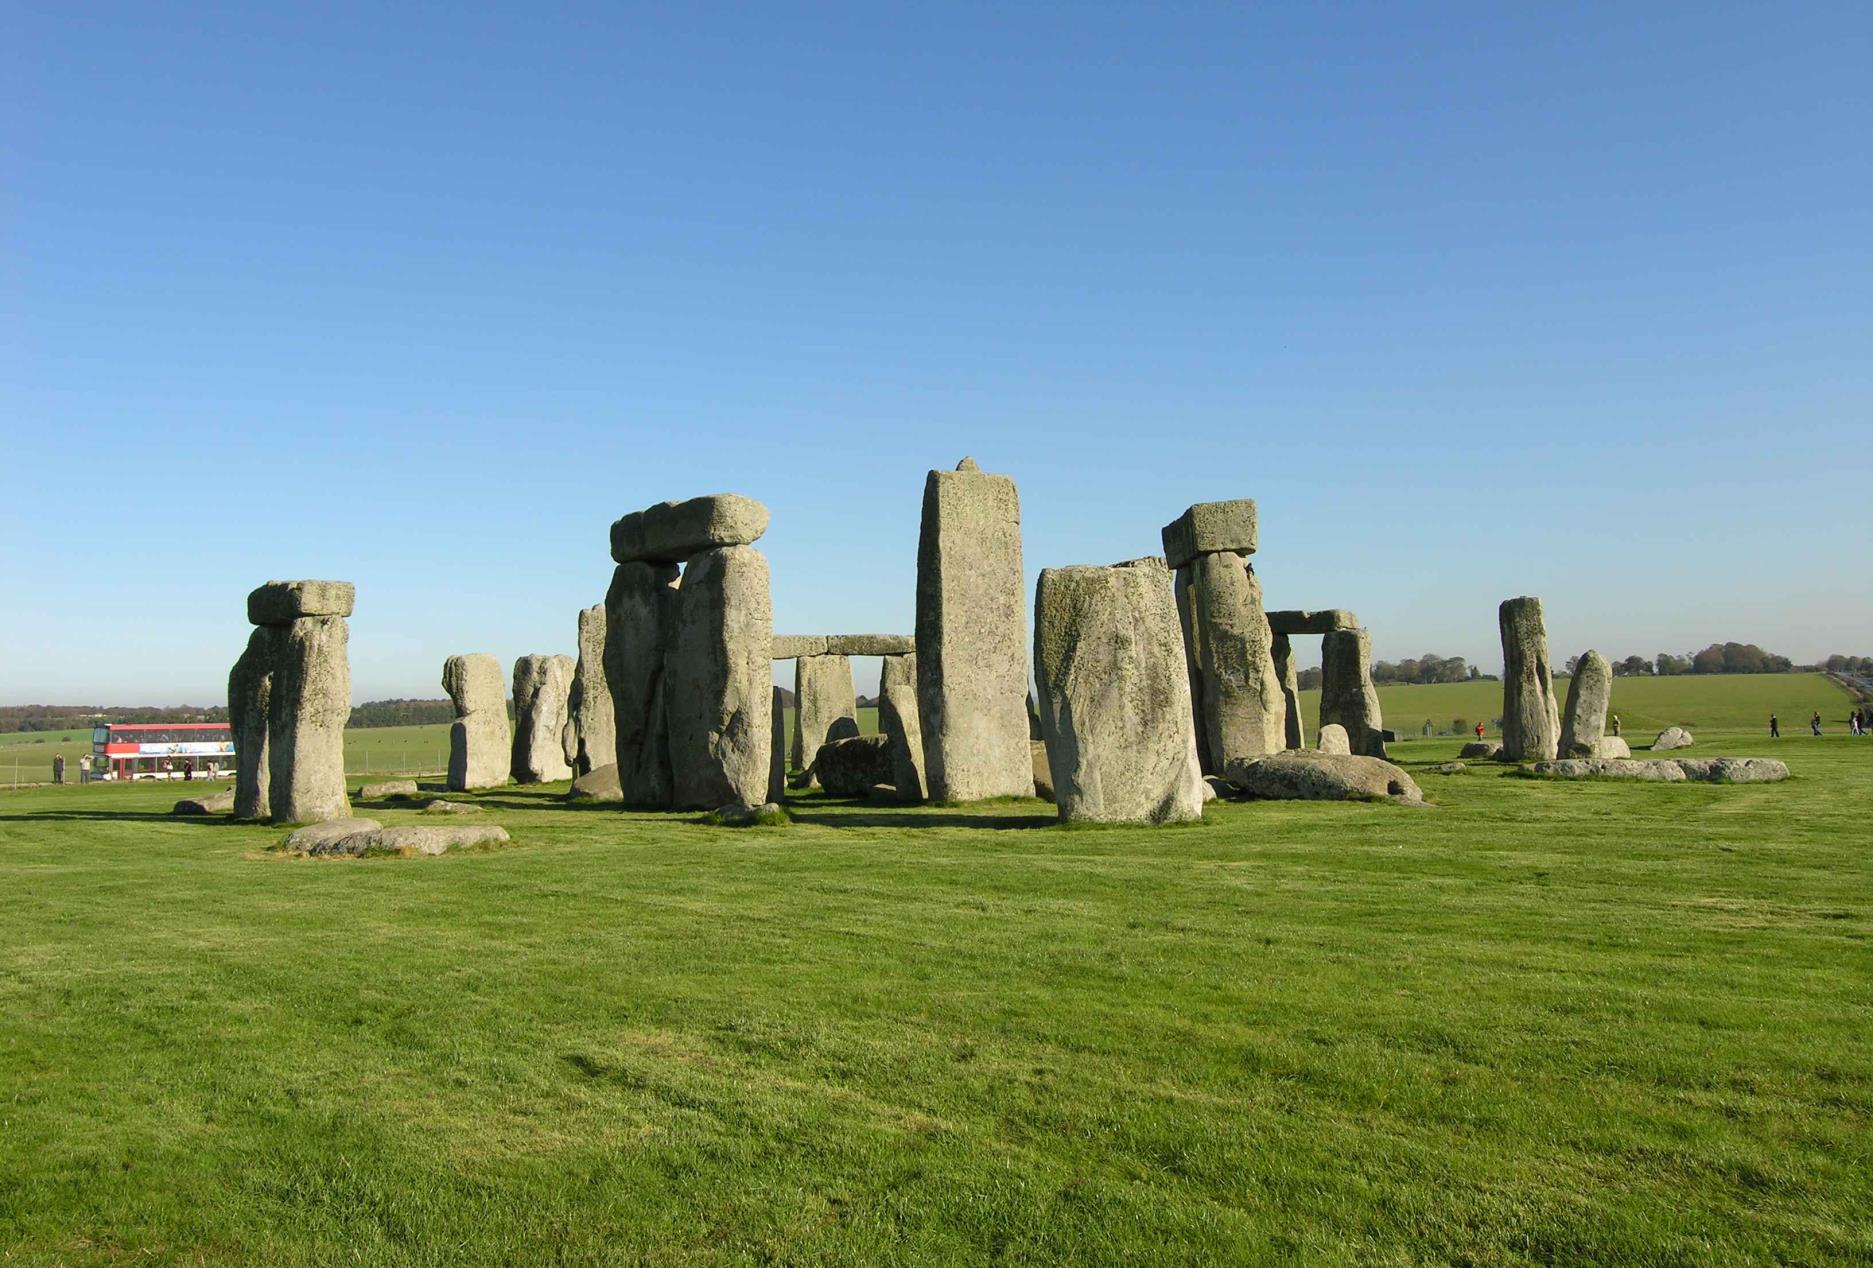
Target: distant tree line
{"points": [[1839, 664], [1718, 658], [402, 713], [78, 717], [1427, 668]]}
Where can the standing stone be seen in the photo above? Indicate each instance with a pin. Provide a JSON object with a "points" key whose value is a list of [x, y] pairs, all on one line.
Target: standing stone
{"points": [[1531, 721], [1114, 695], [310, 702], [972, 666], [541, 684], [1294, 729], [1333, 739], [1193, 664], [1244, 715], [250, 692], [480, 739], [590, 697], [777, 750], [897, 718], [718, 682], [640, 608], [1589, 695], [1347, 695], [825, 707]]}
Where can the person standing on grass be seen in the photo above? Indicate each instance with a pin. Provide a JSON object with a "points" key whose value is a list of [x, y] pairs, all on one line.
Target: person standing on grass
{"points": [[1814, 723], [1479, 731], [1775, 728], [1615, 724]]}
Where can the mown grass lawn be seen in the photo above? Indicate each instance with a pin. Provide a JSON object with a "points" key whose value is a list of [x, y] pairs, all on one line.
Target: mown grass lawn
{"points": [[1536, 1023]]}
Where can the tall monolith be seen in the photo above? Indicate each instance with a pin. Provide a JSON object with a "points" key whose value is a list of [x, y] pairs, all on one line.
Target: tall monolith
{"points": [[593, 713], [1243, 712], [309, 705], [480, 739], [897, 719], [1294, 728], [1531, 720], [542, 684], [1347, 696], [1589, 695], [825, 706], [972, 665], [640, 607], [718, 680], [250, 690]]}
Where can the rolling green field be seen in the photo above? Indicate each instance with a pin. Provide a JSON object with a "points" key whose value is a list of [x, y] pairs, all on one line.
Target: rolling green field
{"points": [[1534, 1023]]}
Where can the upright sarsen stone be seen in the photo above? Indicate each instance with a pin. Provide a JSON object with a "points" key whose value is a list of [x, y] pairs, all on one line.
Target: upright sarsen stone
{"points": [[1114, 695], [1531, 721], [250, 692], [593, 711], [718, 682], [1347, 696], [480, 740], [825, 707], [777, 750], [541, 687], [1294, 731], [972, 665], [1243, 712], [640, 608], [1589, 695], [1193, 641], [897, 719], [310, 703]]}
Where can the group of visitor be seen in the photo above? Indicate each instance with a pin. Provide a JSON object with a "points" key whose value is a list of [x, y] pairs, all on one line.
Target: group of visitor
{"points": [[1859, 722]]}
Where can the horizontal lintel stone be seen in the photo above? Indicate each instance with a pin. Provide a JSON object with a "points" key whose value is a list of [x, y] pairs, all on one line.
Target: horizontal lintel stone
{"points": [[283, 602], [1210, 528], [1302, 621], [672, 532]]}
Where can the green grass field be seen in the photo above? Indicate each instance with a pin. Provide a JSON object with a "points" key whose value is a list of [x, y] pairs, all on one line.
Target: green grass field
{"points": [[1536, 1023]]}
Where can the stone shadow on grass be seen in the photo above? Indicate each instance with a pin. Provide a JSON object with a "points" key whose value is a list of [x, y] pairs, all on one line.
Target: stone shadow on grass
{"points": [[914, 819]]}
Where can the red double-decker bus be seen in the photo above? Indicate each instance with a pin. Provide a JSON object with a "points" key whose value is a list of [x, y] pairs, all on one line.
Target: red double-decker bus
{"points": [[162, 750]]}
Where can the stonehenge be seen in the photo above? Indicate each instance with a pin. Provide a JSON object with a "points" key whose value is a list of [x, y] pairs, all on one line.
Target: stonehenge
{"points": [[1531, 721], [718, 684], [289, 697], [480, 741], [541, 687], [1294, 728], [1589, 692], [640, 608], [825, 707], [1114, 695], [972, 665], [1347, 696], [593, 720]]}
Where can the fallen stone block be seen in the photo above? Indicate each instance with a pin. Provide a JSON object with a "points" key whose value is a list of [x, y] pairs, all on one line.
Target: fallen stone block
{"points": [[423, 838], [389, 788], [1314, 776], [598, 784], [1732, 770], [672, 532], [212, 803], [441, 807], [1480, 749], [1332, 739], [1662, 772], [1672, 737], [323, 838], [1610, 746], [849, 767]]}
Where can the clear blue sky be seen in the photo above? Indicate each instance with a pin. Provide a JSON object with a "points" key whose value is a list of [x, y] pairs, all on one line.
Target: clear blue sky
{"points": [[1475, 300]]}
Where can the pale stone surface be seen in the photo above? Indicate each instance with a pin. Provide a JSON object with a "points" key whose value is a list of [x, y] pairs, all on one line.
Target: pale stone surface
{"points": [[598, 784], [1243, 712], [1713, 770], [481, 740], [1347, 695], [849, 767], [672, 532], [1589, 693], [870, 644], [1733, 770], [1183, 586], [897, 719], [1294, 725], [640, 608], [736, 815], [1332, 739], [282, 602], [387, 788], [406, 838], [1305, 621], [1590, 768], [1531, 719], [213, 803], [972, 666], [825, 707], [793, 646], [1610, 746], [441, 806], [541, 684], [317, 838], [311, 702], [718, 681], [593, 711], [777, 749], [1672, 737], [1210, 528], [1043, 770], [250, 695], [1114, 694], [1480, 748], [1305, 776]]}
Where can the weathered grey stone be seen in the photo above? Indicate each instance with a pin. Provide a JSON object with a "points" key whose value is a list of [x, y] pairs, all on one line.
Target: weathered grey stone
{"points": [[481, 740], [1531, 720], [388, 788], [206, 804], [823, 703], [594, 716], [1243, 712], [1034, 718], [1732, 770], [1672, 737], [1594, 768], [870, 644], [672, 532], [1183, 585], [441, 806], [541, 684], [1218, 787], [282, 602], [1449, 768], [1588, 695], [972, 669], [1305, 776], [718, 680], [322, 838], [794, 646], [897, 719], [250, 695], [736, 815], [1114, 694], [1347, 695], [1210, 528], [640, 608], [412, 839], [1610, 746], [1333, 739], [598, 784], [1043, 770], [1304, 621], [777, 749], [849, 767], [1294, 727], [1480, 748], [306, 716]]}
